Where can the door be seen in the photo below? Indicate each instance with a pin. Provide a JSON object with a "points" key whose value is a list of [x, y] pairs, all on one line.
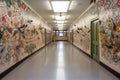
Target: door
{"points": [[71, 36], [95, 40]]}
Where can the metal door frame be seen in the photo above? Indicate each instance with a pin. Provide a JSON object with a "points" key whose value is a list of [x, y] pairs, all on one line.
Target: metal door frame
{"points": [[92, 21]]}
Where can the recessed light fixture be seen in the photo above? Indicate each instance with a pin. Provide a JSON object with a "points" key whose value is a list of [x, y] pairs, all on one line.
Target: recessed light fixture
{"points": [[60, 6], [60, 22], [60, 17]]}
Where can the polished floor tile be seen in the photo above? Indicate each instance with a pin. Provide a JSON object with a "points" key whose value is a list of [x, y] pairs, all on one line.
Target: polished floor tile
{"points": [[59, 61]]}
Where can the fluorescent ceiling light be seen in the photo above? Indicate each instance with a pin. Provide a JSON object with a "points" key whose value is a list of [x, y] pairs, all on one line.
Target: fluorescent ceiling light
{"points": [[60, 22], [60, 17], [60, 6]]}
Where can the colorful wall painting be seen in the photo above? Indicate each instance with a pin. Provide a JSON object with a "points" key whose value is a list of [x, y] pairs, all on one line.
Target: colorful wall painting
{"points": [[81, 32], [108, 12], [48, 36], [81, 37], [20, 35], [109, 15]]}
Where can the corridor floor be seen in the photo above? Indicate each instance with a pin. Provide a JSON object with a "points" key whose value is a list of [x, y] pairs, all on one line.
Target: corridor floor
{"points": [[59, 61]]}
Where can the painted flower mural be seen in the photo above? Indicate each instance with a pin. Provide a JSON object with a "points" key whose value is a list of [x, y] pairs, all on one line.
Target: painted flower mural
{"points": [[110, 30], [19, 36]]}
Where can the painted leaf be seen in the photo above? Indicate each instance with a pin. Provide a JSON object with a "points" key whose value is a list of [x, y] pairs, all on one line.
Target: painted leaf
{"points": [[118, 29], [19, 3], [8, 2], [22, 28], [1, 51], [1, 34], [15, 32], [12, 51]]}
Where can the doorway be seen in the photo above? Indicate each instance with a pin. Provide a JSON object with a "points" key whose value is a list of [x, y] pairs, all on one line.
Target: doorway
{"points": [[95, 39]]}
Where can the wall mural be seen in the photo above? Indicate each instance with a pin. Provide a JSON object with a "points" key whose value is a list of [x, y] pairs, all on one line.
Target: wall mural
{"points": [[82, 37], [81, 32], [19, 35], [110, 32], [48, 36]]}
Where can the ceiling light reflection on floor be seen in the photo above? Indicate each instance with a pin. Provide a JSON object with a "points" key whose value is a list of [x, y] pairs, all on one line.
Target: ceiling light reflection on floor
{"points": [[60, 75]]}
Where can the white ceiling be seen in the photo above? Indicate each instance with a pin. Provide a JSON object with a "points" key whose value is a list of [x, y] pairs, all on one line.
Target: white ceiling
{"points": [[43, 7]]}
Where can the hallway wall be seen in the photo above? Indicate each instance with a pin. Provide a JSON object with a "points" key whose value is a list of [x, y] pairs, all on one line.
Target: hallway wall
{"points": [[108, 12], [22, 32], [109, 15], [81, 29], [70, 37], [48, 36]]}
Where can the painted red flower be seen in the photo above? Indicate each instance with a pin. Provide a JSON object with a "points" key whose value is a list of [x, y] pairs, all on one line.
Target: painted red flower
{"points": [[118, 4], [23, 6], [9, 13], [101, 3]]}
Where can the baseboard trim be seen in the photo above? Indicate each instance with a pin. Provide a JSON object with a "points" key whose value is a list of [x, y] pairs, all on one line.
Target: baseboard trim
{"points": [[81, 50], [3, 74], [110, 70]]}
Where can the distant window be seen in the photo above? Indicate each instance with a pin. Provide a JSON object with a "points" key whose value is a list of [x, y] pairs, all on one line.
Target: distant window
{"points": [[61, 34]]}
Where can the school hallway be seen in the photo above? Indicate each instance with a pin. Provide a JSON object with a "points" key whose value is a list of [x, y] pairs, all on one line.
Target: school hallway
{"points": [[59, 61], [59, 39]]}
